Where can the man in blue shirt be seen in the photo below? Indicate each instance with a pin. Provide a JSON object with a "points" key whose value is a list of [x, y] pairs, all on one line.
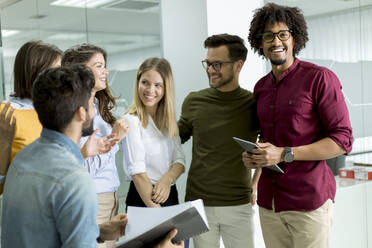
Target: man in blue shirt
{"points": [[49, 198]]}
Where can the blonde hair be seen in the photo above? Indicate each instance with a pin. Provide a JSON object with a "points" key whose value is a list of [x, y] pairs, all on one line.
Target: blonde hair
{"points": [[165, 113]]}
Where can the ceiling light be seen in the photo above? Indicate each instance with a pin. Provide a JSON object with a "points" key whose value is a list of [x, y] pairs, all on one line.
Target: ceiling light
{"points": [[81, 3], [7, 32]]}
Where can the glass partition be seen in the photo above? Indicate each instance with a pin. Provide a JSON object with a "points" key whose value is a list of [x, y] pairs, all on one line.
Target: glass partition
{"points": [[128, 30]]}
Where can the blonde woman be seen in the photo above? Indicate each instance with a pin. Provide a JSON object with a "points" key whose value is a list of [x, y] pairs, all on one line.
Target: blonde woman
{"points": [[153, 158]]}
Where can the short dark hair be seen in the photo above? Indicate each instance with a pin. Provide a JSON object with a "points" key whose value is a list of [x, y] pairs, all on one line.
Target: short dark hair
{"points": [[58, 93], [234, 43], [81, 54], [272, 13], [32, 58]]}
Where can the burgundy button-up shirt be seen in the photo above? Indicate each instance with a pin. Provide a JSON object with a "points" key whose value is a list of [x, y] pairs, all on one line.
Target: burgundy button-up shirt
{"points": [[303, 106]]}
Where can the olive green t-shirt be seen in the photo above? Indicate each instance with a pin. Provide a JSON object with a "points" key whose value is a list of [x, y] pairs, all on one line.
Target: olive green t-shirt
{"points": [[217, 174]]}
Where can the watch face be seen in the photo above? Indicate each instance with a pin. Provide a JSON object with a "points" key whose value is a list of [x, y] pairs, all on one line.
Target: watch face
{"points": [[288, 157]]}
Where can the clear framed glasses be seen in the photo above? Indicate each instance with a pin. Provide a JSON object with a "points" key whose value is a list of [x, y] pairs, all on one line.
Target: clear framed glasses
{"points": [[283, 35], [217, 65]]}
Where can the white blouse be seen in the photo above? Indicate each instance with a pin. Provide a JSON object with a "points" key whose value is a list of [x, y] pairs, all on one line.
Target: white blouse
{"points": [[148, 150]]}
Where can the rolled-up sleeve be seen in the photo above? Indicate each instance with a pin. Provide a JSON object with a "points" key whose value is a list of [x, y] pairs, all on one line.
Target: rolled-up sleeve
{"points": [[333, 110], [133, 148], [178, 154]]}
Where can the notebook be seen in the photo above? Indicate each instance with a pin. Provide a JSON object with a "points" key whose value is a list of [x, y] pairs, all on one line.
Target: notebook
{"points": [[146, 225], [249, 146]]}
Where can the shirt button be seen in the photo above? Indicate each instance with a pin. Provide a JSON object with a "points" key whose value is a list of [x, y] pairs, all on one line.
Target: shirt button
{"points": [[290, 102], [273, 181], [271, 124], [271, 106]]}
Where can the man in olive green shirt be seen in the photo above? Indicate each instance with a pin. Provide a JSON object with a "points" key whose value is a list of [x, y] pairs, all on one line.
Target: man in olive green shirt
{"points": [[217, 174]]}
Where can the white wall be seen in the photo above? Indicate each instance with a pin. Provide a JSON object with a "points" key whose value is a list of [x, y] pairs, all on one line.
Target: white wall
{"points": [[234, 17], [184, 29]]}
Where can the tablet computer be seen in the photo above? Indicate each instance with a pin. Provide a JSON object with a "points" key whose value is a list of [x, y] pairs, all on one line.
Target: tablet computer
{"points": [[249, 146]]}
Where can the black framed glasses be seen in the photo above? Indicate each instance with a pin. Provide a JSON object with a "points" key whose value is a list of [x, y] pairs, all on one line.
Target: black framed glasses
{"points": [[217, 65], [283, 35]]}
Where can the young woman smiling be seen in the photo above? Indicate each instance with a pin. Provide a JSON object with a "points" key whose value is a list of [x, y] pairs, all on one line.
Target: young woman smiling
{"points": [[153, 158]]}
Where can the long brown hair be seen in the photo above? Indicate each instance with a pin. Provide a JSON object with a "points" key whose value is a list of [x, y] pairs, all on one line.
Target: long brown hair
{"points": [[166, 114], [32, 58], [81, 54]]}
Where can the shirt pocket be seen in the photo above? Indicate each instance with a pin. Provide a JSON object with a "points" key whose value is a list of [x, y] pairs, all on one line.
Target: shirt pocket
{"points": [[293, 113]]}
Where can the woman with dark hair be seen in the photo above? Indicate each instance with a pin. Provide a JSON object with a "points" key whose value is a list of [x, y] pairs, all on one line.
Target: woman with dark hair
{"points": [[31, 59], [101, 167]]}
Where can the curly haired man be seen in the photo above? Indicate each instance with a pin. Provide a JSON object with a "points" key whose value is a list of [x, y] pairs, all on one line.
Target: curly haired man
{"points": [[304, 121]]}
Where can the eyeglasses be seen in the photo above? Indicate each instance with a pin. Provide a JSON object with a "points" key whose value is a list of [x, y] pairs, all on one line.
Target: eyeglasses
{"points": [[283, 35], [216, 65]]}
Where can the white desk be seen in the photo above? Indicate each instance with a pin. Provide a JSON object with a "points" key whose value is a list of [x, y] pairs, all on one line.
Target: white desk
{"points": [[352, 225]]}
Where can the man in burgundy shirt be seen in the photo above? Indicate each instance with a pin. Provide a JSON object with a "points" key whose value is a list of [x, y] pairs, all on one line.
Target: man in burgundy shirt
{"points": [[304, 121]]}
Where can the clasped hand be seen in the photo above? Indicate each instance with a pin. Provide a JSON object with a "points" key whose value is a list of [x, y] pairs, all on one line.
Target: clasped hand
{"points": [[161, 190], [265, 155]]}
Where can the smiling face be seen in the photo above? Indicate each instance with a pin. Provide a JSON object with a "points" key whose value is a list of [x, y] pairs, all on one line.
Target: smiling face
{"points": [[98, 66], [223, 77], [151, 90], [280, 53]]}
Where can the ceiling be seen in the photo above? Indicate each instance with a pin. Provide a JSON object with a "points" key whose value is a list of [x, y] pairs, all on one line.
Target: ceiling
{"points": [[116, 29]]}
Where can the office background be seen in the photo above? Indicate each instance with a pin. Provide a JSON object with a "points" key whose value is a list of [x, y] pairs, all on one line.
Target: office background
{"points": [[340, 33]]}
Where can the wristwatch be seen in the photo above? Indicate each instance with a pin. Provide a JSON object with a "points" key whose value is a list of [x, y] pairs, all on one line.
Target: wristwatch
{"points": [[288, 155]]}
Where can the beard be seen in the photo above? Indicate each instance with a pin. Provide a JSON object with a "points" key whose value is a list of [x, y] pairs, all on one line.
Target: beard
{"points": [[87, 128], [221, 83], [278, 62]]}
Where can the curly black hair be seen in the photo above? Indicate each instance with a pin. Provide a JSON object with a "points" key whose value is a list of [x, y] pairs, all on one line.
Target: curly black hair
{"points": [[272, 13]]}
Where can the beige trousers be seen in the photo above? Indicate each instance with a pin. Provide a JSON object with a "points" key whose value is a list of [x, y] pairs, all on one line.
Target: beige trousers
{"points": [[297, 229], [233, 223], [107, 208]]}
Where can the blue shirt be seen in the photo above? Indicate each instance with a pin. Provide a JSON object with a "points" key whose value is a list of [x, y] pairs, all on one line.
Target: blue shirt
{"points": [[102, 167], [49, 198]]}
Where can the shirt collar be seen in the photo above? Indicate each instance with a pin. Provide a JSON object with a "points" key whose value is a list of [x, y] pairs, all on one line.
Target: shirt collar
{"points": [[63, 140], [23, 103], [286, 72]]}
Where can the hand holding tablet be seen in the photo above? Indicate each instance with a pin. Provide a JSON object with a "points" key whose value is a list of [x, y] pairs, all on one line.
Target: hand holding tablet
{"points": [[249, 146]]}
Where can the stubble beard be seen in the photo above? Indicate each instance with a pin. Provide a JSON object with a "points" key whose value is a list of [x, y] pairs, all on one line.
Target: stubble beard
{"points": [[87, 128], [221, 83]]}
